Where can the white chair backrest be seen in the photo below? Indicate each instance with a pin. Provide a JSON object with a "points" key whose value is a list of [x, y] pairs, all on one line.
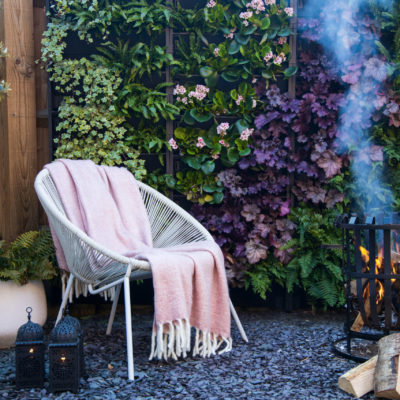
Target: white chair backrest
{"points": [[87, 259]]}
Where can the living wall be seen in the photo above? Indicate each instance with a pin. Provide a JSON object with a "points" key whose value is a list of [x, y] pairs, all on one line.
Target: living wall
{"points": [[262, 169]]}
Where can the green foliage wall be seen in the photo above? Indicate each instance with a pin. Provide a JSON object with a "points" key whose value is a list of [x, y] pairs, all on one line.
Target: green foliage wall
{"points": [[114, 105]]}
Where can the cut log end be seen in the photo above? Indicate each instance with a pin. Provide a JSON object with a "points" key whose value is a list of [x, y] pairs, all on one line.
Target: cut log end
{"points": [[359, 380]]}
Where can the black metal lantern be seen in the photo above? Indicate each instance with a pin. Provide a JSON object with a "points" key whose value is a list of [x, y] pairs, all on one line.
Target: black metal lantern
{"points": [[29, 355], [64, 358], [76, 325]]}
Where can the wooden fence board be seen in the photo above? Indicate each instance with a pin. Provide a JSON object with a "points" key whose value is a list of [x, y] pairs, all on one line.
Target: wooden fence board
{"points": [[18, 139]]}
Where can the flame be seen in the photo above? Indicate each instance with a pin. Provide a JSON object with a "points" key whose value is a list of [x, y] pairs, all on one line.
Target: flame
{"points": [[364, 254], [381, 292], [378, 267]]}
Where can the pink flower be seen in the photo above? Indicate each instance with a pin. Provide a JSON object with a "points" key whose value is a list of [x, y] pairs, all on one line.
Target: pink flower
{"points": [[268, 56], [282, 40], [278, 60], [179, 89], [200, 142], [215, 156], [230, 35], [254, 103], [245, 16], [216, 51], [270, 2], [254, 80], [246, 133], [289, 11], [184, 100], [223, 143], [173, 144], [211, 4], [256, 5], [222, 128], [199, 93], [239, 100]]}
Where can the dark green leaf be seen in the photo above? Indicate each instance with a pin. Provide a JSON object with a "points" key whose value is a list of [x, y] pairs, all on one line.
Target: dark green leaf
{"points": [[245, 152], [242, 39], [212, 80], [234, 47], [206, 72], [248, 30], [188, 118], [170, 181], [193, 162], [265, 23], [200, 117], [290, 71], [233, 155], [218, 197], [208, 167], [241, 124], [229, 76]]}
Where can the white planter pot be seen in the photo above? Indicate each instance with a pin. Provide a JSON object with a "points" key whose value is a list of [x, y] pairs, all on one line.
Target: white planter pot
{"points": [[14, 300]]}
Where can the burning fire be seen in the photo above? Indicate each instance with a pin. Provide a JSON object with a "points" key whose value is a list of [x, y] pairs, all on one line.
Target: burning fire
{"points": [[378, 269]]}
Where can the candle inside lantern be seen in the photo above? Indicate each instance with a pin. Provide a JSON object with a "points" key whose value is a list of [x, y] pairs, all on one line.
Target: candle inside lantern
{"points": [[63, 358]]}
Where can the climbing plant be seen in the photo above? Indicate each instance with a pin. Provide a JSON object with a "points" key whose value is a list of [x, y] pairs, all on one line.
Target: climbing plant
{"points": [[4, 87]]}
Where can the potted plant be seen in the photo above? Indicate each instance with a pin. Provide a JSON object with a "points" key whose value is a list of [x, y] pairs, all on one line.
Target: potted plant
{"points": [[23, 265]]}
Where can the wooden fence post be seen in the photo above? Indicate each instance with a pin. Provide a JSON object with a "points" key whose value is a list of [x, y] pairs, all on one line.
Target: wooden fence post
{"points": [[18, 138], [42, 86]]}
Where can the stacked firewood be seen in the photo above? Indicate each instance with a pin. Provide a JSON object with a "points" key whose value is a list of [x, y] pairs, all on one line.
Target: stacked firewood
{"points": [[380, 374]]}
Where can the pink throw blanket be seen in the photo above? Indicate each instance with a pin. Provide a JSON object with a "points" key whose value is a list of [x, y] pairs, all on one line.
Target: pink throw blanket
{"points": [[190, 286]]}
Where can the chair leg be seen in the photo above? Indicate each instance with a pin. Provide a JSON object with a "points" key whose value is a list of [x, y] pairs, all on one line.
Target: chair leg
{"points": [[128, 323], [65, 297], [113, 309], [238, 323]]}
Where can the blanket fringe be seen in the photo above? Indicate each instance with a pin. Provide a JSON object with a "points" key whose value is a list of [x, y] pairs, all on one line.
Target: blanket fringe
{"points": [[172, 340], [81, 289]]}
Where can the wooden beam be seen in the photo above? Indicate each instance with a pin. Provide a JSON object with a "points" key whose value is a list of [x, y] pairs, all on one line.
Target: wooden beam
{"points": [[18, 140], [41, 79]]}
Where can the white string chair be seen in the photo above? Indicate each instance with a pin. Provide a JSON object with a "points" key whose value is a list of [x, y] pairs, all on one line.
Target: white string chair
{"points": [[102, 269]]}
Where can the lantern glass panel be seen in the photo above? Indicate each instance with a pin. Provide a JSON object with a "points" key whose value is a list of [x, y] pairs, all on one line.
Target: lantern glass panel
{"points": [[29, 365], [64, 367]]}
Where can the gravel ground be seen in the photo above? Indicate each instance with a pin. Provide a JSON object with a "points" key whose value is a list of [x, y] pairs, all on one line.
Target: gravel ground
{"points": [[288, 357]]}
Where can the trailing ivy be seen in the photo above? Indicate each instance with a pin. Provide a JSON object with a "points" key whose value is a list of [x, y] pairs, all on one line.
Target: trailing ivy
{"points": [[4, 87]]}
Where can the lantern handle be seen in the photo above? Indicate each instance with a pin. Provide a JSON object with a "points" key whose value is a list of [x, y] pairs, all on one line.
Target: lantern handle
{"points": [[29, 310]]}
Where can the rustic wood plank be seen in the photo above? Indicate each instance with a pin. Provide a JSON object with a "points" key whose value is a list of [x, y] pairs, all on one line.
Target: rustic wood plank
{"points": [[359, 380], [19, 207]]}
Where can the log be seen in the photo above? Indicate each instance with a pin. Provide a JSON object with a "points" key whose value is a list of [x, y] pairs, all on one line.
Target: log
{"points": [[359, 321], [387, 380], [359, 380]]}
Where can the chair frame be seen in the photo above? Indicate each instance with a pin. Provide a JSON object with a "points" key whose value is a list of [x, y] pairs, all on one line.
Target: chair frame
{"points": [[170, 225]]}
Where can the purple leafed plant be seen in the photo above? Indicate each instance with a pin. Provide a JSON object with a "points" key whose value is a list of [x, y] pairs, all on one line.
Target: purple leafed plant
{"points": [[293, 137]]}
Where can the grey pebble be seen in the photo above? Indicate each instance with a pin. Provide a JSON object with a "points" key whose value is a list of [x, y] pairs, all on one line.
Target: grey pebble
{"points": [[288, 357]]}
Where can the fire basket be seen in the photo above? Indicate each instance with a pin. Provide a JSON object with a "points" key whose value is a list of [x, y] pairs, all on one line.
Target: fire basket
{"points": [[371, 264]]}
